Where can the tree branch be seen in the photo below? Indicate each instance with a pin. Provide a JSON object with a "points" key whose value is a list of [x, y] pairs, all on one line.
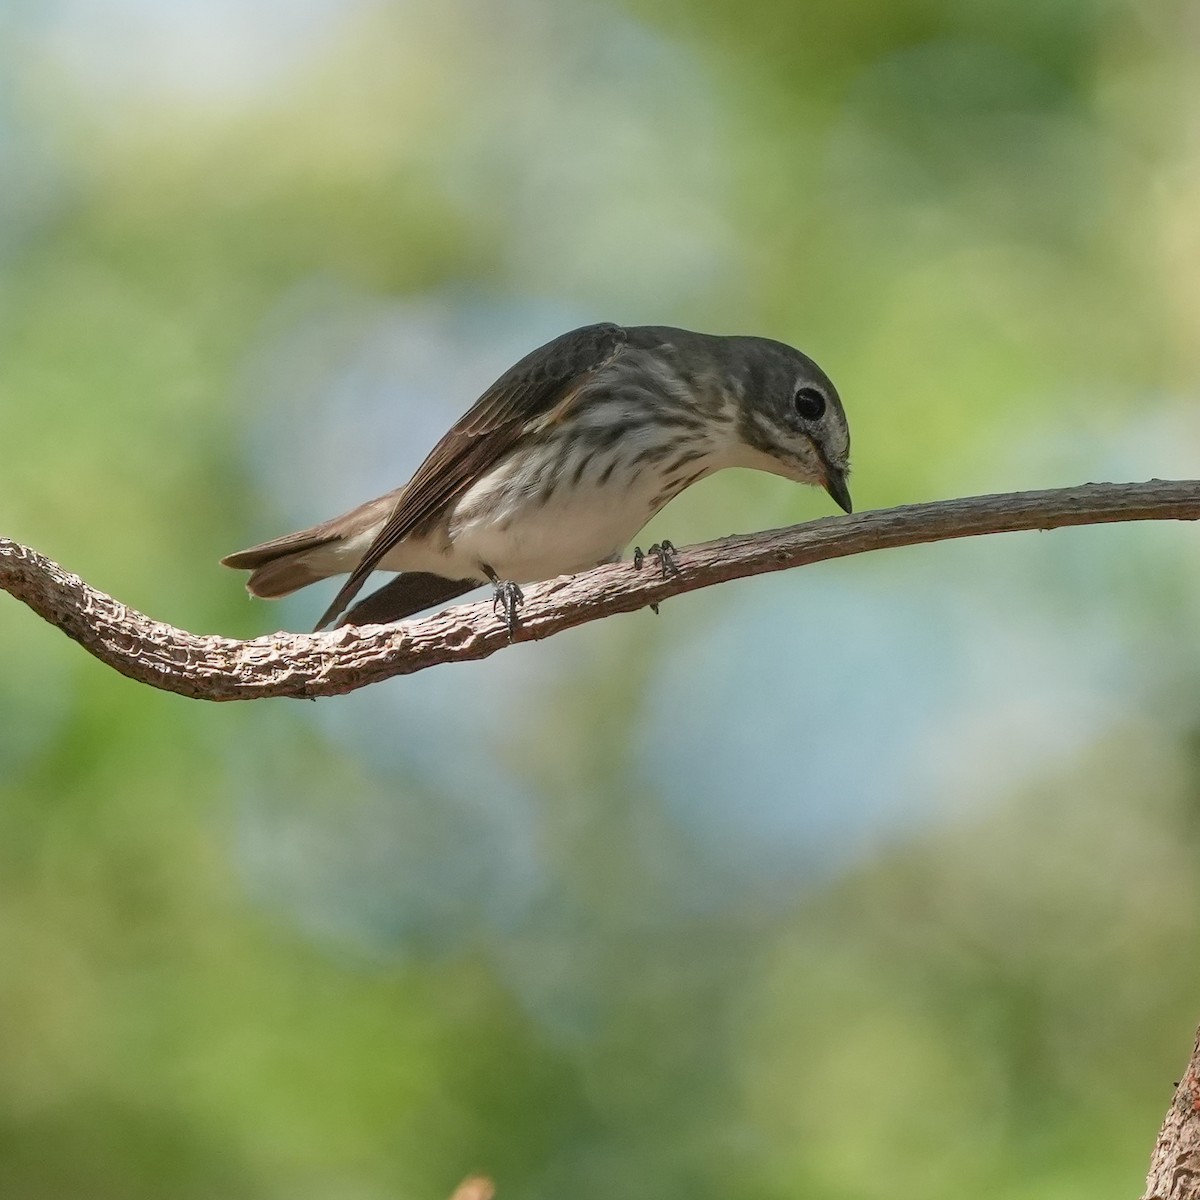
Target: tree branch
{"points": [[341, 660], [1175, 1164]]}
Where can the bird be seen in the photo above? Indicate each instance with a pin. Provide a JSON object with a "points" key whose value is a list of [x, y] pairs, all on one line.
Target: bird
{"points": [[562, 461]]}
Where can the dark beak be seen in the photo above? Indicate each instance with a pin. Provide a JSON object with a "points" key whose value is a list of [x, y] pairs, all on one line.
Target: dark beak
{"points": [[835, 485]]}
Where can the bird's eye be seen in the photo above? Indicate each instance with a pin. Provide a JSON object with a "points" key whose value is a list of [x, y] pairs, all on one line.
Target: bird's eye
{"points": [[810, 403]]}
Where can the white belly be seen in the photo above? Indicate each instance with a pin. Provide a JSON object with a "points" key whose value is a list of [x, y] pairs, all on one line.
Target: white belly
{"points": [[544, 540], [509, 524]]}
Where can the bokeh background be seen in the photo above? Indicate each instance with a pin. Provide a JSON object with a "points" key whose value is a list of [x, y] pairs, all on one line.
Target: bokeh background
{"points": [[875, 879]]}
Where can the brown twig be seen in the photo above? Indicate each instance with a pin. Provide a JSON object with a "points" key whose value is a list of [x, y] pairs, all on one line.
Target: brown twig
{"points": [[327, 664]]}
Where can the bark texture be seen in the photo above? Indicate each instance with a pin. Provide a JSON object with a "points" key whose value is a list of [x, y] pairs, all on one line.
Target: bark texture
{"points": [[211, 667], [1175, 1164]]}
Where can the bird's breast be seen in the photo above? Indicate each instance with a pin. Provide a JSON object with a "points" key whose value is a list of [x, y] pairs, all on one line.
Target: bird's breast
{"points": [[568, 502]]}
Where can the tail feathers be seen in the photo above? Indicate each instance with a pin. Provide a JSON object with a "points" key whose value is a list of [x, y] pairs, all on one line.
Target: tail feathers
{"points": [[288, 574], [295, 560], [290, 543], [279, 567]]}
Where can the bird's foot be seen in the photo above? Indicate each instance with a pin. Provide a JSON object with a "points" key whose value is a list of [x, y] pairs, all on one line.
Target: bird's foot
{"points": [[509, 597], [664, 551]]}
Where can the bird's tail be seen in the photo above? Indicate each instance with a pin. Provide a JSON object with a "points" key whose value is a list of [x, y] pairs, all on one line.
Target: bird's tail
{"points": [[284, 565]]}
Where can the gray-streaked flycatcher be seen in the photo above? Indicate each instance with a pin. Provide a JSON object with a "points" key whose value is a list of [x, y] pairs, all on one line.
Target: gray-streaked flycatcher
{"points": [[561, 462]]}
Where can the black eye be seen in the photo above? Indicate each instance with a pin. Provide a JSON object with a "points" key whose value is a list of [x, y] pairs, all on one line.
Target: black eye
{"points": [[810, 403]]}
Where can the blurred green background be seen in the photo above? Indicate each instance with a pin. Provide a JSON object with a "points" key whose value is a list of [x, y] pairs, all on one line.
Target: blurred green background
{"points": [[878, 879]]}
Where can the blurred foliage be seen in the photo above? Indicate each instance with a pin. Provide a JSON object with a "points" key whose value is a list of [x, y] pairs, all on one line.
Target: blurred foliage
{"points": [[878, 880]]}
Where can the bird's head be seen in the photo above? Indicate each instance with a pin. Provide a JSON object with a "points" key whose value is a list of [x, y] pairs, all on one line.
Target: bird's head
{"points": [[790, 418]]}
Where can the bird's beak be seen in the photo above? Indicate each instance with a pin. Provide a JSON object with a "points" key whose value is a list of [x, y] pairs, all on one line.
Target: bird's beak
{"points": [[835, 485]]}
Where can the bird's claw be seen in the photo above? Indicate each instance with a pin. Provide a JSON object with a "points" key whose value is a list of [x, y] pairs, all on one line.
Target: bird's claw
{"points": [[664, 551], [509, 597]]}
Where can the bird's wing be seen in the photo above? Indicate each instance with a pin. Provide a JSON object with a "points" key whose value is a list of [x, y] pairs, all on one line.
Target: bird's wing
{"points": [[410, 592], [541, 384]]}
